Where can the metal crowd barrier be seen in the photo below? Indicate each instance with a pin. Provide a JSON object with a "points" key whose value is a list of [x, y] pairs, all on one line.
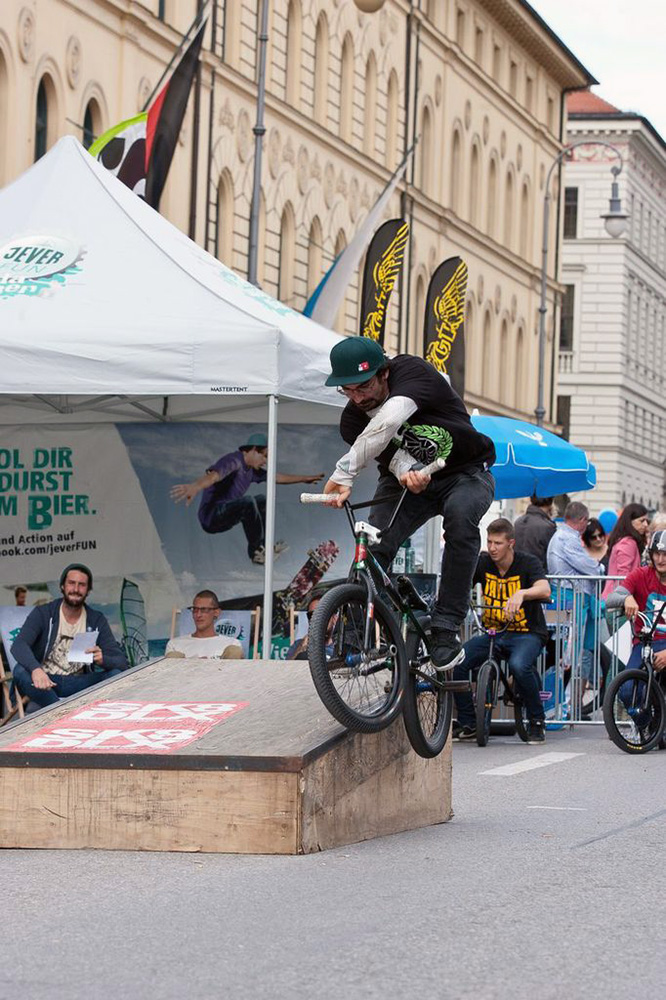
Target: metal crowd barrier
{"points": [[582, 655]]}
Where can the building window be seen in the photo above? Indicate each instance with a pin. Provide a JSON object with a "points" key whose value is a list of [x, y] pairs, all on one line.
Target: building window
{"points": [[570, 213], [92, 123], [293, 82], [392, 100], [370, 105], [347, 89], [460, 27], [567, 319], [321, 72], [41, 120], [478, 46], [426, 152], [161, 9], [497, 63], [564, 415], [551, 115], [287, 254], [513, 78], [529, 93]]}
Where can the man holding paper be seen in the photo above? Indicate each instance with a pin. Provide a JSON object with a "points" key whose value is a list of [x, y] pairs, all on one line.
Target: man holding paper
{"points": [[59, 641]]}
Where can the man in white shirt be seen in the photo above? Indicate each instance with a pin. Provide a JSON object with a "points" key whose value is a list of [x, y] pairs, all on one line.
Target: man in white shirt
{"points": [[204, 642]]}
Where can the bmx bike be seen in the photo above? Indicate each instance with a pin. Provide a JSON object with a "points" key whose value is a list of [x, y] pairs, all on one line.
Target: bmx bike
{"points": [[634, 703], [369, 646], [493, 682]]}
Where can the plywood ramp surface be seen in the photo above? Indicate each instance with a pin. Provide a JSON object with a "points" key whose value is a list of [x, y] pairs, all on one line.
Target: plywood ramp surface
{"points": [[278, 776]]}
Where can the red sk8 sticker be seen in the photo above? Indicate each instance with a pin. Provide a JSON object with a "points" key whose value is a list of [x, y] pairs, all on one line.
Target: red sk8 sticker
{"points": [[364, 365]]}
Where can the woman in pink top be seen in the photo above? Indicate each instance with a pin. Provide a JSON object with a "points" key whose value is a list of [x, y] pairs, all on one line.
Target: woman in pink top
{"points": [[626, 543]]}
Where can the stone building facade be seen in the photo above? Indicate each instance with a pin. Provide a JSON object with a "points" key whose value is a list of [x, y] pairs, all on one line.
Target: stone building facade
{"points": [[481, 83], [612, 333]]}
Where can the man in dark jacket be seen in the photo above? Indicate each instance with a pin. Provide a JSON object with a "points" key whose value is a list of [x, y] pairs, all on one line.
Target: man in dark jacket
{"points": [[44, 671], [534, 530]]}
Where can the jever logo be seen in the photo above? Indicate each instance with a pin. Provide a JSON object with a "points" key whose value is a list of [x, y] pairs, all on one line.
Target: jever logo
{"points": [[35, 264]]}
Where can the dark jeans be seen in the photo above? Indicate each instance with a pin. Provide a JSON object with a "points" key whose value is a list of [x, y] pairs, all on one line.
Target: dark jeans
{"points": [[462, 499], [520, 652], [248, 511], [65, 684]]}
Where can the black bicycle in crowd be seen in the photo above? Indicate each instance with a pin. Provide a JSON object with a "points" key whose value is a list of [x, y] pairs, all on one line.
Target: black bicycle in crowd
{"points": [[634, 702], [369, 647], [493, 685]]}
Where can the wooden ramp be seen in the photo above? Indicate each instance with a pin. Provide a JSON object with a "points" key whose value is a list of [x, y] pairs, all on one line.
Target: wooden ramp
{"points": [[225, 756]]}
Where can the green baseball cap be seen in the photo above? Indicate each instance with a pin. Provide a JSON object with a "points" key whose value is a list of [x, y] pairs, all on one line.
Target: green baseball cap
{"points": [[355, 360], [255, 441]]}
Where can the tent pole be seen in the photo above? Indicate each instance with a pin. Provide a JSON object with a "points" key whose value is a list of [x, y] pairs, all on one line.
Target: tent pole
{"points": [[271, 474]]}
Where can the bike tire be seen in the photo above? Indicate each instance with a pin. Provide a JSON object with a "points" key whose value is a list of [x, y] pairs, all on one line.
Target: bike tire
{"points": [[520, 715], [365, 702], [632, 728], [486, 698], [427, 710]]}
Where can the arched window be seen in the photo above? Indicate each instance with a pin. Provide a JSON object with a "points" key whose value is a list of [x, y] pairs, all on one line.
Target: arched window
{"points": [[426, 172], [471, 348], [391, 152], [505, 367], [456, 172], [232, 32], [491, 216], [474, 186], [92, 123], [508, 211], [294, 45], [41, 120], [287, 255], [314, 255], [415, 338], [341, 318], [321, 72], [487, 358], [347, 89], [519, 400], [224, 225], [370, 106], [525, 222]]}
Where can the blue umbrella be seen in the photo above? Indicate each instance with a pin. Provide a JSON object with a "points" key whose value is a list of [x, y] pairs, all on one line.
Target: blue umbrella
{"points": [[531, 460]]}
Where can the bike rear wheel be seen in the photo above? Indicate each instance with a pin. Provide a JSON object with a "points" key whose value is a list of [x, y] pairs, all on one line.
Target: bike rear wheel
{"points": [[427, 709], [634, 723], [361, 685], [486, 699]]}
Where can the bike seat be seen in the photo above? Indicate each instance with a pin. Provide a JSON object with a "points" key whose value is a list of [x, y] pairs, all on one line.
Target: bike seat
{"points": [[410, 594]]}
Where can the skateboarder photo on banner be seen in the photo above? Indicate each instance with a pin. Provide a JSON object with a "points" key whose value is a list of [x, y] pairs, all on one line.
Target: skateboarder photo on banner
{"points": [[405, 414], [223, 502]]}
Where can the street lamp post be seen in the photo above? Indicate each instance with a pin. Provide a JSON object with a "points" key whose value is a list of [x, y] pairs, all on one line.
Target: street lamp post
{"points": [[615, 222]]}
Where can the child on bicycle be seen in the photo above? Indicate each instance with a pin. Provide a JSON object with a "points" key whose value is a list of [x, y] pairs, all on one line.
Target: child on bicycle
{"points": [[403, 413], [644, 589]]}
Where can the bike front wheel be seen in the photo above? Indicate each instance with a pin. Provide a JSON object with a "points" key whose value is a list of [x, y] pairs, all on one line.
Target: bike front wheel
{"points": [[427, 709], [486, 699], [360, 683], [634, 720]]}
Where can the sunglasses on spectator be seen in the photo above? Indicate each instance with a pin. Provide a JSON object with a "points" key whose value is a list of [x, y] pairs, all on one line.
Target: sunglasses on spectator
{"points": [[194, 609], [597, 534]]}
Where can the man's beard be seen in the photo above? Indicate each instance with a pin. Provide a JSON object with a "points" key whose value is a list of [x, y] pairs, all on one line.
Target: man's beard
{"points": [[73, 600]]}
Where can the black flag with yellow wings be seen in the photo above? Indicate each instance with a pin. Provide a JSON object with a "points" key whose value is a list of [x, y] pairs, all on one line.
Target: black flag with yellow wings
{"points": [[382, 266], [444, 326]]}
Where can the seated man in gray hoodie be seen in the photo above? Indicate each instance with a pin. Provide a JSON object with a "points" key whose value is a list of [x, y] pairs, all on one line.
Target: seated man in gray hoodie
{"points": [[43, 669]]}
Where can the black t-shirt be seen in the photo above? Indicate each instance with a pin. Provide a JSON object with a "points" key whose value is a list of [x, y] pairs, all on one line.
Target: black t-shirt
{"points": [[439, 428], [523, 572]]}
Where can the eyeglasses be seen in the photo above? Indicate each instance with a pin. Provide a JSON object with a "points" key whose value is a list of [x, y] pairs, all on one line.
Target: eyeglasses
{"points": [[358, 390], [597, 534], [200, 611]]}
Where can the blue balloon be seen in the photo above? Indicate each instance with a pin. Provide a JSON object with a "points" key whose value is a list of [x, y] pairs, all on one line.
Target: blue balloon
{"points": [[608, 519]]}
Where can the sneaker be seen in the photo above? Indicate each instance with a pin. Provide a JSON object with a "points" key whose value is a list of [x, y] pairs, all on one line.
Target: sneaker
{"points": [[464, 733], [280, 547], [447, 651], [259, 556], [536, 732]]}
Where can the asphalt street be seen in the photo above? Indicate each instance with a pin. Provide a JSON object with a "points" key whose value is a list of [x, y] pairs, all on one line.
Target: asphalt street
{"points": [[548, 882]]}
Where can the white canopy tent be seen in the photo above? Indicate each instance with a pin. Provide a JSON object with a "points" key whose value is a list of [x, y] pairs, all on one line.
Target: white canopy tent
{"points": [[106, 305]]}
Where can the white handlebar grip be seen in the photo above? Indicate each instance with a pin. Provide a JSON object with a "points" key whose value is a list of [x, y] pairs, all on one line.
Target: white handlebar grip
{"points": [[315, 497], [435, 466]]}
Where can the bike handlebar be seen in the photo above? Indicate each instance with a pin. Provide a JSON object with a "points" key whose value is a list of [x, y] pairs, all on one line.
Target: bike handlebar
{"points": [[435, 466]]}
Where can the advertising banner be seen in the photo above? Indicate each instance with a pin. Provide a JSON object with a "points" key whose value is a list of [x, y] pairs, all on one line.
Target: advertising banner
{"points": [[129, 727], [137, 504]]}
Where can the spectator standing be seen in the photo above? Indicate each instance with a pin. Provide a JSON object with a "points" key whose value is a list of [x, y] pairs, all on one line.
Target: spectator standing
{"points": [[43, 670], [20, 594], [644, 589], [566, 553], [535, 528], [626, 544], [595, 541]]}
